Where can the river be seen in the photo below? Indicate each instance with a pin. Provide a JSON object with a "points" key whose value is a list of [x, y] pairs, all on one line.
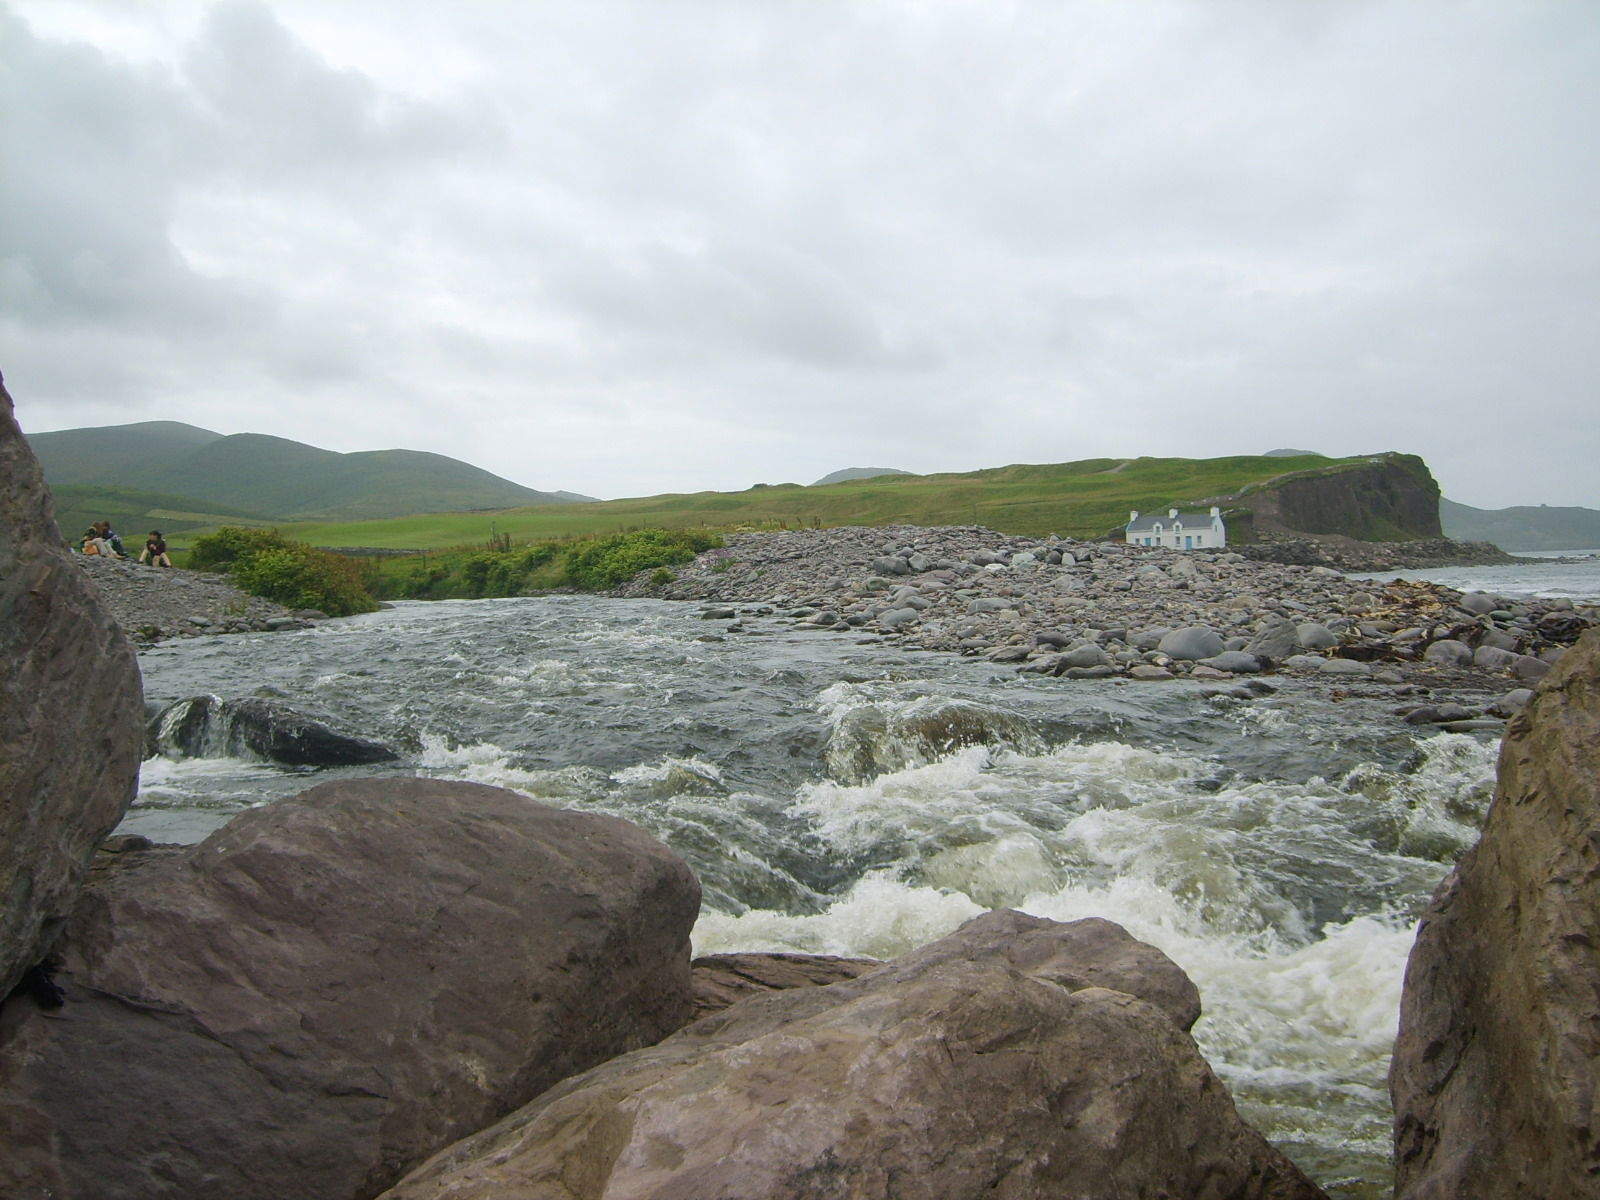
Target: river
{"points": [[840, 795]]}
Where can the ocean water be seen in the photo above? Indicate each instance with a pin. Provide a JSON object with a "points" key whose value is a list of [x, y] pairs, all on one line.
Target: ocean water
{"points": [[1569, 574], [840, 795]]}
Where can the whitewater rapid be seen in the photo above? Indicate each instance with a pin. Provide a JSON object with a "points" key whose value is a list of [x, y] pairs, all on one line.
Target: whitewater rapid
{"points": [[840, 796]]}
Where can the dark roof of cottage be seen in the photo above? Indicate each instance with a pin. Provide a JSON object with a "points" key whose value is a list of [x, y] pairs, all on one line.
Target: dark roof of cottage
{"points": [[1147, 522]]}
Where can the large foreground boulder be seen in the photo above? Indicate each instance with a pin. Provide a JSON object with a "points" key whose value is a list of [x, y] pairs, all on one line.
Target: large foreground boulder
{"points": [[1495, 1068], [996, 1064], [331, 988], [71, 715], [724, 979]]}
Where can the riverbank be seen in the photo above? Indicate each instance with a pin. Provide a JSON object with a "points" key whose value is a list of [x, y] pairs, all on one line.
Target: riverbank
{"points": [[152, 604], [1103, 609], [1049, 606]]}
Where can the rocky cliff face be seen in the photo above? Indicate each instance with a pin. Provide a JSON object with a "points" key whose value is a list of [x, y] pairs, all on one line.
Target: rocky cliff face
{"points": [[1493, 1076], [1391, 498], [71, 720]]}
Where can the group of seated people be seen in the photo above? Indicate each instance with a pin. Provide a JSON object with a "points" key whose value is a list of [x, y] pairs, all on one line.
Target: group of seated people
{"points": [[100, 538]]}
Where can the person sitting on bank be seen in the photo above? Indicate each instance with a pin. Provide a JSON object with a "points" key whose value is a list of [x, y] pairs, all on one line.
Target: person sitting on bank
{"points": [[155, 550], [110, 538], [92, 543]]}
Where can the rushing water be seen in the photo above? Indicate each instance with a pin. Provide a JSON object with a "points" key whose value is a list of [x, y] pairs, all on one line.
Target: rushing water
{"points": [[849, 797]]}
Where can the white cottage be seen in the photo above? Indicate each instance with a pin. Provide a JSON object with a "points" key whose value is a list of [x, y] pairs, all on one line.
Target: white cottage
{"points": [[1178, 530]]}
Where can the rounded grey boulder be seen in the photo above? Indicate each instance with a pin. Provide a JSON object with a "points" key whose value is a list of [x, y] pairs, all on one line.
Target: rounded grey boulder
{"points": [[1084, 654], [1237, 661], [1191, 643], [896, 617], [1276, 640], [1344, 666], [1447, 652], [1314, 636]]}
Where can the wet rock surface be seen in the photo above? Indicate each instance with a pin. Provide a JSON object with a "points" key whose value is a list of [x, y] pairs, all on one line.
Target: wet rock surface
{"points": [[723, 979], [1101, 609], [70, 715], [1493, 1076], [1015, 1058], [209, 727], [333, 987]]}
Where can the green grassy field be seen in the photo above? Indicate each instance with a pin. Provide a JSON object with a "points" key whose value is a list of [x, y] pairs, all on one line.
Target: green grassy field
{"points": [[134, 514], [1079, 499]]}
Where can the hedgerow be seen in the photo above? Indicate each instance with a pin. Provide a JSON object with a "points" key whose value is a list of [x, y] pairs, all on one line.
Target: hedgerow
{"points": [[590, 565]]}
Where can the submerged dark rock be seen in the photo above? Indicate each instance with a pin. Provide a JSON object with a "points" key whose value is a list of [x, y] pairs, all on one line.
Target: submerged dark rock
{"points": [[209, 727]]}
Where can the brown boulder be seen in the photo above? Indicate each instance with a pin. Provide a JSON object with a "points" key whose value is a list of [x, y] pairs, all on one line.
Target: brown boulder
{"points": [[71, 715], [722, 979], [330, 988], [1493, 1075], [946, 1074]]}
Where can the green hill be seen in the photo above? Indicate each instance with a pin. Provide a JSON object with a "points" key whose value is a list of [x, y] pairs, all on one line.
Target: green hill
{"points": [[134, 514], [850, 473], [286, 480], [1524, 527], [1390, 496]]}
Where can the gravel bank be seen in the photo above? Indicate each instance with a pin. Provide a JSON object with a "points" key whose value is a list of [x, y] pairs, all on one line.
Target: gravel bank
{"points": [[1052, 606], [155, 603], [1101, 609]]}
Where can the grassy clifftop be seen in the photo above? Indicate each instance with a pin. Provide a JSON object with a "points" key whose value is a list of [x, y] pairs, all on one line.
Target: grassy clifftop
{"points": [[1089, 498]]}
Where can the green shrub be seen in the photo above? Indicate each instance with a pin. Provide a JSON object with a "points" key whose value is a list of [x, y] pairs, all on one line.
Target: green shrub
{"points": [[610, 561], [661, 577], [264, 563], [596, 564], [220, 550]]}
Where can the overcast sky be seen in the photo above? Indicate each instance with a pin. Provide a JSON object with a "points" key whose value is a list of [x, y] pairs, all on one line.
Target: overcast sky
{"points": [[671, 245]]}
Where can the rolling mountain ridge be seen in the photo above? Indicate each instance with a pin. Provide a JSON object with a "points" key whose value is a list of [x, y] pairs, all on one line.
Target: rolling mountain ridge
{"points": [[280, 479], [1523, 526]]}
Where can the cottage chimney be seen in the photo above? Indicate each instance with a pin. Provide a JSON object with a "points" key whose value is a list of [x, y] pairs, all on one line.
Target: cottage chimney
{"points": [[1133, 516], [1215, 511], [1172, 512]]}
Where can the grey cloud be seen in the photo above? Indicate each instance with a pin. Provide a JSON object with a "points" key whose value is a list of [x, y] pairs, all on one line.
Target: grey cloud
{"points": [[950, 235], [276, 106]]}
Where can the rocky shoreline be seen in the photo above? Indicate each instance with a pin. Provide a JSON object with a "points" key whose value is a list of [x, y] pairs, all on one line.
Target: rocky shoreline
{"points": [[1105, 609], [152, 604], [1054, 606]]}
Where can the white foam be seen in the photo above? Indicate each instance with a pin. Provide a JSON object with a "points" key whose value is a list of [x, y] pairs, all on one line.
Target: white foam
{"points": [[669, 769], [182, 774], [1109, 830], [474, 758], [1276, 1016], [878, 918]]}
